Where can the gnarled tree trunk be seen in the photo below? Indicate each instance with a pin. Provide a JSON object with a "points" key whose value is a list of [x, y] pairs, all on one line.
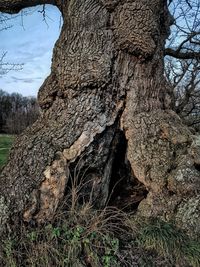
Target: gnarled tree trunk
{"points": [[107, 106]]}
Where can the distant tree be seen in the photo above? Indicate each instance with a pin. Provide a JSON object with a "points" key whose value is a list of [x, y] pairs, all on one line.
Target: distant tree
{"points": [[182, 60], [17, 112], [5, 107], [184, 77]]}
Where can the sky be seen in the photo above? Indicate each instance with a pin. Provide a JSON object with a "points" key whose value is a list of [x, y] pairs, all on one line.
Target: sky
{"points": [[29, 41]]}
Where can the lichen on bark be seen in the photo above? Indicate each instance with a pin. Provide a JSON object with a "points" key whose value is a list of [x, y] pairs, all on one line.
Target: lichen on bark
{"points": [[4, 214]]}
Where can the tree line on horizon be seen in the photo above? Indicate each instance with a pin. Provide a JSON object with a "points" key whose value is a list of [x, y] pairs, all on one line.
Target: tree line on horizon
{"points": [[16, 112]]}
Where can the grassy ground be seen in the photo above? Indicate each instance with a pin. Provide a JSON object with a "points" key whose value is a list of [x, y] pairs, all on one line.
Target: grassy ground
{"points": [[108, 238], [5, 144], [80, 236]]}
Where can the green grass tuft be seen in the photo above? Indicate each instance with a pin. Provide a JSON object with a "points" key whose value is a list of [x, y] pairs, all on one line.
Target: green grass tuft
{"points": [[5, 144], [191, 250], [169, 242]]}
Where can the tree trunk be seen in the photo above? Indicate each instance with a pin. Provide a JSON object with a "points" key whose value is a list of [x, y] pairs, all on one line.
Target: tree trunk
{"points": [[106, 108]]}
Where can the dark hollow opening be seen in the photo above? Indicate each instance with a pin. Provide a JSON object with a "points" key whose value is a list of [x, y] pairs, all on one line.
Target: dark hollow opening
{"points": [[197, 166], [126, 192]]}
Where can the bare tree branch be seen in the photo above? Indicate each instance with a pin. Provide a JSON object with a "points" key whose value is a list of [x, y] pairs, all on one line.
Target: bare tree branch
{"points": [[184, 77], [182, 55], [5, 67], [184, 41], [188, 3], [14, 6]]}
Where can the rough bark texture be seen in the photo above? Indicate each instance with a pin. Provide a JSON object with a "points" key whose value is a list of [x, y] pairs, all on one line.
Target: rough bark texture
{"points": [[106, 82]]}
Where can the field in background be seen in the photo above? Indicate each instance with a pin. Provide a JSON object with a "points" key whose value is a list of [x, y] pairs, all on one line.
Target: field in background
{"points": [[5, 144]]}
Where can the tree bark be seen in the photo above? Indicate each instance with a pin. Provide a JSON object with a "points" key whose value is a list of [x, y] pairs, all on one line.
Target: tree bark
{"points": [[106, 86]]}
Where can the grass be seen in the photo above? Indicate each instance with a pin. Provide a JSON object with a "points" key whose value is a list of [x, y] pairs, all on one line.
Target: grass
{"points": [[169, 242], [78, 236], [94, 238], [82, 236], [5, 144], [85, 237], [62, 245]]}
